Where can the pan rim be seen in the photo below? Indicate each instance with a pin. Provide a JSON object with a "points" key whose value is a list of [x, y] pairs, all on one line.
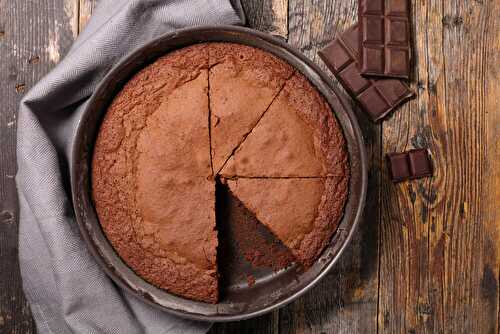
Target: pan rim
{"points": [[315, 71]]}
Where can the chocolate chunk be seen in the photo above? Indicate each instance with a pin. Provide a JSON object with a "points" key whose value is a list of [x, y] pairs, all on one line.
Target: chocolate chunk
{"points": [[420, 164], [398, 166], [384, 36], [377, 97], [409, 165]]}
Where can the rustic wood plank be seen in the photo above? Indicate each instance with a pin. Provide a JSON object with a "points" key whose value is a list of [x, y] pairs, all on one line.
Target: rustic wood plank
{"points": [[86, 7], [270, 16], [262, 325], [439, 248], [346, 300], [33, 37]]}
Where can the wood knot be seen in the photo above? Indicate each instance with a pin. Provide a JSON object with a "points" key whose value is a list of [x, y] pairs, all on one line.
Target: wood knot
{"points": [[458, 21], [6, 217], [450, 21], [20, 87], [411, 192], [424, 309], [34, 60], [428, 194]]}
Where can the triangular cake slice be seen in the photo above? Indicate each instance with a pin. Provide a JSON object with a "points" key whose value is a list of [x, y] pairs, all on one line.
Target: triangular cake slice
{"points": [[156, 206], [297, 137], [301, 212], [243, 83]]}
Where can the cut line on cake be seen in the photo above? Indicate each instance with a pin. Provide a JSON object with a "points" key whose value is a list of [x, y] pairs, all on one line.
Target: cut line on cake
{"points": [[256, 123], [235, 177], [210, 122]]}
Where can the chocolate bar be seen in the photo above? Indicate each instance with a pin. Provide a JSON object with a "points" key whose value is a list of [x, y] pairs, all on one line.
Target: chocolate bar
{"points": [[409, 165], [377, 97], [384, 36]]}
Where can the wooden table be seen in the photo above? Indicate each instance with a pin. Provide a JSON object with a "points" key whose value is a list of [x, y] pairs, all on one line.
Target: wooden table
{"points": [[426, 257]]}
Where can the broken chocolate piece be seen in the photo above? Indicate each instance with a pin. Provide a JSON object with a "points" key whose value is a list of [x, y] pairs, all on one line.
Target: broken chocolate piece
{"points": [[377, 97], [384, 38], [409, 165], [420, 164]]}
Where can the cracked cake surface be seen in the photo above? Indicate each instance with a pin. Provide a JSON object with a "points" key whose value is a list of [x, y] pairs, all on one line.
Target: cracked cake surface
{"points": [[243, 83], [199, 113], [297, 137]]}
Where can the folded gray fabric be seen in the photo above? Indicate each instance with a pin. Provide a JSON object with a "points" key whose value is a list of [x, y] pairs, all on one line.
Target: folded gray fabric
{"points": [[66, 289]]}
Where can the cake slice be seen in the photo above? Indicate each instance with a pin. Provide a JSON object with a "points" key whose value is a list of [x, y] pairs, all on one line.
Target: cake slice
{"points": [[243, 83], [297, 137], [303, 213], [151, 176]]}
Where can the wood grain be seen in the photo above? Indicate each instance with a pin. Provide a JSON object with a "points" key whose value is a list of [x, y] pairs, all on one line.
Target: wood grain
{"points": [[34, 36], [86, 7], [270, 16], [346, 300], [439, 250]]}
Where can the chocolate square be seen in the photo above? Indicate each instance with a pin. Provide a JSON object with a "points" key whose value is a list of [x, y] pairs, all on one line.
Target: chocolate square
{"points": [[350, 38], [397, 7], [373, 7], [373, 60], [398, 32], [398, 166], [397, 61], [392, 90], [420, 164], [354, 79], [337, 56], [373, 29], [373, 100]]}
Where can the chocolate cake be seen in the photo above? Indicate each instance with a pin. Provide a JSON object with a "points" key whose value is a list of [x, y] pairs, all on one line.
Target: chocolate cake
{"points": [[207, 112]]}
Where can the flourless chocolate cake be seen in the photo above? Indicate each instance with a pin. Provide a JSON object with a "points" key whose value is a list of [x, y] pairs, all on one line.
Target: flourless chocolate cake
{"points": [[201, 113]]}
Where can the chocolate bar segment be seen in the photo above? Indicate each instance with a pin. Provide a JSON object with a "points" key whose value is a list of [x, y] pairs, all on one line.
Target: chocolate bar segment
{"points": [[420, 164], [409, 165], [377, 97], [398, 166], [385, 38]]}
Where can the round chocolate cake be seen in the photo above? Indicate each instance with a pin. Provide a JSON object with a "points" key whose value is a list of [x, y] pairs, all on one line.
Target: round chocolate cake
{"points": [[207, 116]]}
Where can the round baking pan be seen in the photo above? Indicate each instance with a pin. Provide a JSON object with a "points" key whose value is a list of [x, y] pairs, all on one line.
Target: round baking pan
{"points": [[271, 289]]}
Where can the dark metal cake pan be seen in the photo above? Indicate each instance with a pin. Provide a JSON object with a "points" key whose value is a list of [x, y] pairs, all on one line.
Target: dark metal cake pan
{"points": [[240, 301]]}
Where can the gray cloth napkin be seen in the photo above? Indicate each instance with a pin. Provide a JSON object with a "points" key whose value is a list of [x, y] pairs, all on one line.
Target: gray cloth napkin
{"points": [[66, 289]]}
